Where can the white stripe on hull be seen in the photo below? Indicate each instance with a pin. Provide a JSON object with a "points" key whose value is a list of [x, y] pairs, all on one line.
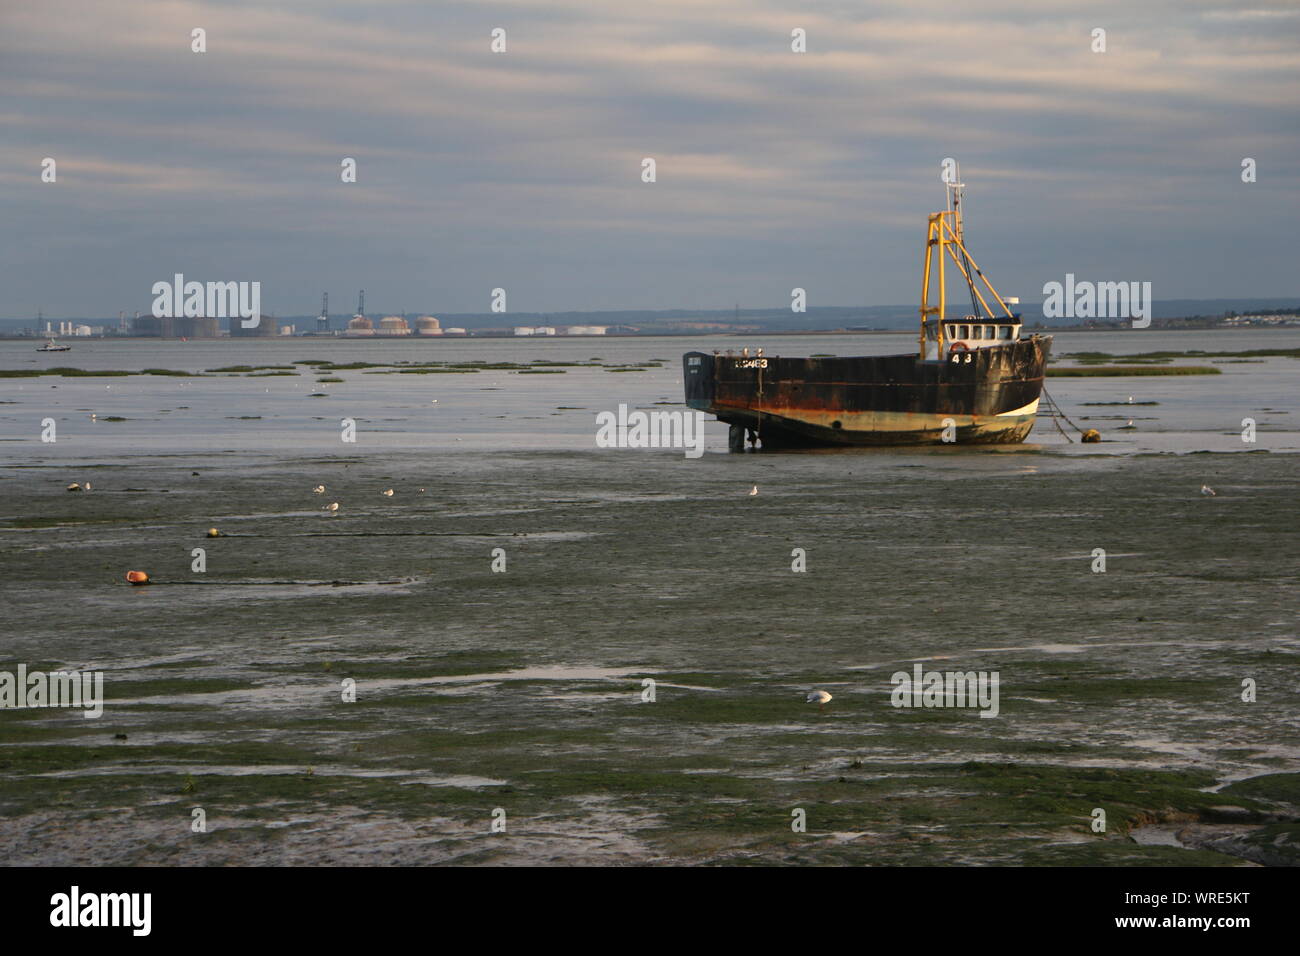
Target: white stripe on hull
{"points": [[1030, 409]]}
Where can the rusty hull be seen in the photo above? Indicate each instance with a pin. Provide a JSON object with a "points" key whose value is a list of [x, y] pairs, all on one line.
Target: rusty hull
{"points": [[874, 400]]}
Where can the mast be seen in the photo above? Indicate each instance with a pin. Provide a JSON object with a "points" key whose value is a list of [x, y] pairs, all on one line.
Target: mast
{"points": [[946, 234]]}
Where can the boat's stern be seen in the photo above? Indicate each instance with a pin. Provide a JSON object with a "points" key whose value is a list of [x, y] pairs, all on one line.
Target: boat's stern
{"points": [[698, 379]]}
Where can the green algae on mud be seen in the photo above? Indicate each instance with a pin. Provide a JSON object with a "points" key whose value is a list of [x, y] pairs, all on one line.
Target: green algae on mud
{"points": [[525, 690], [1112, 371]]}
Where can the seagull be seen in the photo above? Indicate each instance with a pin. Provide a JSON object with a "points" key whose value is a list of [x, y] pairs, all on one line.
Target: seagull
{"points": [[820, 698], [387, 493], [753, 491], [332, 507], [318, 490], [1207, 490]]}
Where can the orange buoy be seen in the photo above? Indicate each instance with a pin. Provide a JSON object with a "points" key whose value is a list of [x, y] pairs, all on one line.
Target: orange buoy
{"points": [[137, 577]]}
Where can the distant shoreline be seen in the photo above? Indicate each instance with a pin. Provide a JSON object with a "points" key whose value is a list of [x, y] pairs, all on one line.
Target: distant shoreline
{"points": [[715, 333]]}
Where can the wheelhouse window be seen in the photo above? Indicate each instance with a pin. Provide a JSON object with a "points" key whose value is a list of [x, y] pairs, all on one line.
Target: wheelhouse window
{"points": [[1004, 332], [965, 332]]}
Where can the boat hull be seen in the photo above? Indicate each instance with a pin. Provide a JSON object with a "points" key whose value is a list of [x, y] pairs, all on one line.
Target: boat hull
{"points": [[987, 396]]}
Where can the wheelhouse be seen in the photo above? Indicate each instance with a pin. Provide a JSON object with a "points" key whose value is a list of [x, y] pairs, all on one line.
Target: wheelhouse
{"points": [[971, 332]]}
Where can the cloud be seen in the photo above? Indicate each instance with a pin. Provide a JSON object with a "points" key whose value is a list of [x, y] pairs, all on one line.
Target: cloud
{"points": [[532, 157]]}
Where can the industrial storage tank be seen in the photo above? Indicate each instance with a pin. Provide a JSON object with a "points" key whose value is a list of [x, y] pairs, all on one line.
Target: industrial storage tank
{"points": [[393, 325], [360, 325], [428, 325]]}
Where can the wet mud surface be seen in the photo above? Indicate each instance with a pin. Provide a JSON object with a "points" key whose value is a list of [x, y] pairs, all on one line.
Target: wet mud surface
{"points": [[521, 695]]}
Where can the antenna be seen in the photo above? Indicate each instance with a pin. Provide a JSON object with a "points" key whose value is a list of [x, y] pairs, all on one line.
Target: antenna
{"points": [[954, 200], [361, 303], [323, 322]]}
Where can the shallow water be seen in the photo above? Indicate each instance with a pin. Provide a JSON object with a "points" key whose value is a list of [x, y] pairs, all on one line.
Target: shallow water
{"points": [[495, 410]]}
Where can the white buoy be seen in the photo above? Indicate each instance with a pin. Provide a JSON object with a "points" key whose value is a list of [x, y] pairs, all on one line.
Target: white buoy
{"points": [[1207, 490], [318, 490], [74, 487], [819, 697], [332, 507], [387, 492], [754, 490]]}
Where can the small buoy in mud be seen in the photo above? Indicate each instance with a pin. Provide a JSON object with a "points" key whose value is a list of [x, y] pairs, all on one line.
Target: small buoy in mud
{"points": [[137, 577], [85, 486], [387, 492], [754, 490], [419, 491], [214, 533], [1130, 399], [74, 487], [1091, 436], [1208, 491], [194, 474], [819, 697], [332, 506], [318, 490], [92, 416], [119, 736]]}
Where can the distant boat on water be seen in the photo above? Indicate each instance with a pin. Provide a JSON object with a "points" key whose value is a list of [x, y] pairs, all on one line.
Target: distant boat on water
{"points": [[52, 346]]}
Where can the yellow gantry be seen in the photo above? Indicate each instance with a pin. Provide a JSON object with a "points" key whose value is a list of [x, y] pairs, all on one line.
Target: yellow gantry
{"points": [[944, 232]]}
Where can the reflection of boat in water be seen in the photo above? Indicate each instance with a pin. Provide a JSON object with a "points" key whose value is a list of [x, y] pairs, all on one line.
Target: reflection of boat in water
{"points": [[52, 346], [972, 379]]}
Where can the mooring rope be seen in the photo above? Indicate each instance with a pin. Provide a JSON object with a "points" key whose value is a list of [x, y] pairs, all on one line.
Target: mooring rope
{"points": [[1054, 410]]}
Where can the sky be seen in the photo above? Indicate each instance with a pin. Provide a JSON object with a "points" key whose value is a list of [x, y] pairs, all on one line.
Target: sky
{"points": [[522, 170]]}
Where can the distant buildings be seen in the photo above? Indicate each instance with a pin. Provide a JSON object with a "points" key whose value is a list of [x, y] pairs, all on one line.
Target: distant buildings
{"points": [[428, 325], [360, 325], [189, 327], [71, 328], [393, 325], [567, 330], [265, 326], [1262, 320]]}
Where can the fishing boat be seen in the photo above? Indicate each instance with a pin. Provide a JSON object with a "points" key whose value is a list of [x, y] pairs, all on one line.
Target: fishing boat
{"points": [[52, 346], [974, 378]]}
